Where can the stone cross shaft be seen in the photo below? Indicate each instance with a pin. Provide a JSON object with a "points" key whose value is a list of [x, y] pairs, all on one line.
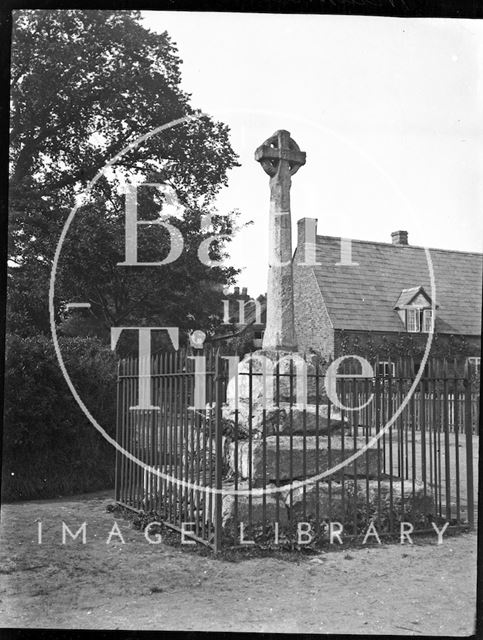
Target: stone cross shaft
{"points": [[280, 157]]}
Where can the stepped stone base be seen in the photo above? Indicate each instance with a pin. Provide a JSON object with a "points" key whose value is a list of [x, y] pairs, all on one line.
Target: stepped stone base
{"points": [[288, 505], [291, 454], [275, 508], [334, 508]]}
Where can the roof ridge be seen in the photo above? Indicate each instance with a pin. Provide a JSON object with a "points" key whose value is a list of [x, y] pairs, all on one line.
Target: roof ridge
{"points": [[405, 246]]}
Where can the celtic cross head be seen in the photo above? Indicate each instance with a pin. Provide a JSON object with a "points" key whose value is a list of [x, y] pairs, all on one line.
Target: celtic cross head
{"points": [[279, 154]]}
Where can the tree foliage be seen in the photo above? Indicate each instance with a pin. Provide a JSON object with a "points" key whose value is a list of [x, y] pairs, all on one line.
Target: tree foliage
{"points": [[86, 84], [49, 446]]}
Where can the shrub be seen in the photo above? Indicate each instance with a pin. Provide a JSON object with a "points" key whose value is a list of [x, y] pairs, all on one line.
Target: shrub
{"points": [[49, 447]]}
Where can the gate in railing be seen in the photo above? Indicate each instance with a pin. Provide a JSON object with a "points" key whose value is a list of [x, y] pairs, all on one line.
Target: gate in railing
{"points": [[277, 472]]}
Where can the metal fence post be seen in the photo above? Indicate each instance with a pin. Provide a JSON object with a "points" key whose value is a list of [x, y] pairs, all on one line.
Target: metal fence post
{"points": [[117, 468], [218, 452], [469, 452]]}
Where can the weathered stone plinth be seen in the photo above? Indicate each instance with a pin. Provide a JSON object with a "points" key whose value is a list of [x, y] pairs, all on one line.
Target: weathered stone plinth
{"points": [[266, 381], [285, 420], [285, 458], [288, 401]]}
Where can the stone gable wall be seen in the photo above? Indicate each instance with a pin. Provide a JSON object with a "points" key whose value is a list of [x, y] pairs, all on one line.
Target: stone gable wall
{"points": [[312, 324]]}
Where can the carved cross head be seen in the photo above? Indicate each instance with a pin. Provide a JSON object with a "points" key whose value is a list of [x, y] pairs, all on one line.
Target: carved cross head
{"points": [[280, 153]]}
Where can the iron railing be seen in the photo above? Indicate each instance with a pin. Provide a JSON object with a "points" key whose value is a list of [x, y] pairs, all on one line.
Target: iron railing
{"points": [[227, 474]]}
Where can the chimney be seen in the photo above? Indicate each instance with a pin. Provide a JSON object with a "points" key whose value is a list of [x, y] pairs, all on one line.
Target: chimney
{"points": [[244, 292], [306, 230], [237, 291], [399, 237], [306, 240]]}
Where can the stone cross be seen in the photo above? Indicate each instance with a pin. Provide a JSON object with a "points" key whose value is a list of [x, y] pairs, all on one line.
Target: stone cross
{"points": [[280, 157]]}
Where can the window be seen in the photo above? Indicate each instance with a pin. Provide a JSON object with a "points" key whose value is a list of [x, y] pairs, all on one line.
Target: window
{"points": [[415, 309], [474, 365], [384, 368], [412, 320], [418, 319], [427, 314]]}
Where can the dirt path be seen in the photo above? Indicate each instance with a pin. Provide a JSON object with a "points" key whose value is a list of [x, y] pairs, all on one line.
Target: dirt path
{"points": [[393, 589]]}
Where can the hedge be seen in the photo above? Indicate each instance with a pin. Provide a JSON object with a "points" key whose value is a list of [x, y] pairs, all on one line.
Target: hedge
{"points": [[50, 448]]}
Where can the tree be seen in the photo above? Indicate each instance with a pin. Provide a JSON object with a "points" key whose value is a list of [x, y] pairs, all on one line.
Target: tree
{"points": [[185, 293], [85, 84]]}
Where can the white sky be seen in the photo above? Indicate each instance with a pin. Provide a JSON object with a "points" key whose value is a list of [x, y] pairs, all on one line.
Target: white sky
{"points": [[388, 110]]}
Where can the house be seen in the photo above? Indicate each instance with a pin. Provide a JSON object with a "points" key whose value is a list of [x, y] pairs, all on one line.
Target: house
{"points": [[246, 316], [376, 299]]}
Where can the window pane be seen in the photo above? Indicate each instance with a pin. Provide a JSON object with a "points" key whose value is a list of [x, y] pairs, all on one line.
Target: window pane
{"points": [[413, 320], [384, 369], [427, 320]]}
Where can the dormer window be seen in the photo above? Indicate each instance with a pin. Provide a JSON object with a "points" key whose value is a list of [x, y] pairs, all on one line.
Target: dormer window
{"points": [[414, 308]]}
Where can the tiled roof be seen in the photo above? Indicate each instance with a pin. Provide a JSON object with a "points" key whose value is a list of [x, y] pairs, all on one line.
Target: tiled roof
{"points": [[363, 297]]}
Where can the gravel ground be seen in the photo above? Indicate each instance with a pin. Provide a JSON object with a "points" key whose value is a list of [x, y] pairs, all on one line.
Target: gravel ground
{"points": [[424, 588]]}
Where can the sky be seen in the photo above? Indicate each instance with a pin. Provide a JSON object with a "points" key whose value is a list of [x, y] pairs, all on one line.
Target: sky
{"points": [[388, 111]]}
